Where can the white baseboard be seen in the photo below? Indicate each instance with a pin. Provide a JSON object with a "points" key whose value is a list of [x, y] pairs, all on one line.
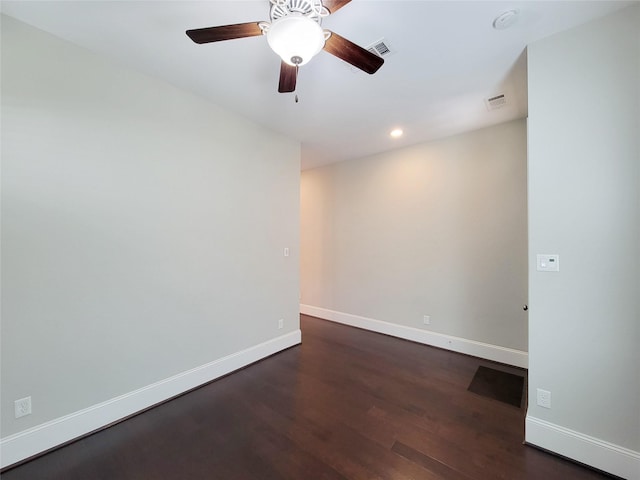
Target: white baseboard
{"points": [[43, 437], [582, 448], [496, 353]]}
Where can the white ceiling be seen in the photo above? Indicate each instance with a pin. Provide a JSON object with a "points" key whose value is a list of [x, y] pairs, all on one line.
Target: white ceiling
{"points": [[446, 60]]}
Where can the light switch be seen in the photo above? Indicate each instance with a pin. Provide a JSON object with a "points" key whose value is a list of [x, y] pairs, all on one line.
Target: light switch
{"points": [[548, 263]]}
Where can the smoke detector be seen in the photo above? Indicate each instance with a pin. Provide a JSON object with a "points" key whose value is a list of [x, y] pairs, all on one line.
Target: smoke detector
{"points": [[505, 19]]}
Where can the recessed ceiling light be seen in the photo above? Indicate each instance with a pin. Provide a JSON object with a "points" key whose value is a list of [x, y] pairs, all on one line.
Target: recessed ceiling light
{"points": [[505, 19], [396, 133]]}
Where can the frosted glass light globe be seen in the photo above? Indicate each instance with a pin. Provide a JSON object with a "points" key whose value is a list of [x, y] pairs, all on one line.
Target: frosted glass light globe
{"points": [[295, 38]]}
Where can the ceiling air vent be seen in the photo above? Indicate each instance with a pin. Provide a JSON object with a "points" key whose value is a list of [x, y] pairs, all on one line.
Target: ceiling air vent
{"points": [[495, 102], [380, 48]]}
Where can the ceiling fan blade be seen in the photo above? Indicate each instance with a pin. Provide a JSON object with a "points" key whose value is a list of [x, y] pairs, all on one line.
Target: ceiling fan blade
{"points": [[225, 32], [334, 5], [351, 53], [288, 78]]}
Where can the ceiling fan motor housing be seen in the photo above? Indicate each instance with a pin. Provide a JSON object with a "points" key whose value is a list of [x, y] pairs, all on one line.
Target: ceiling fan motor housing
{"points": [[310, 8]]}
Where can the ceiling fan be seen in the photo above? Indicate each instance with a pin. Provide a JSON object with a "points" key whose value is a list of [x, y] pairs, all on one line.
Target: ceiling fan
{"points": [[295, 33]]}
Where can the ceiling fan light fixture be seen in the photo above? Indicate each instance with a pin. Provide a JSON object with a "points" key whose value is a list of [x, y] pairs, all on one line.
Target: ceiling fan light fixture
{"points": [[296, 38]]}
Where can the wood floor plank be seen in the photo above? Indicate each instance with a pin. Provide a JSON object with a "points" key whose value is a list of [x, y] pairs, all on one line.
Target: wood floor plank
{"points": [[345, 405], [429, 463]]}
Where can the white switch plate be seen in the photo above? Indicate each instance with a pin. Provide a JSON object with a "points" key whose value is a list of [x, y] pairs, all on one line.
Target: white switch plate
{"points": [[548, 263], [280, 323], [426, 320], [286, 252]]}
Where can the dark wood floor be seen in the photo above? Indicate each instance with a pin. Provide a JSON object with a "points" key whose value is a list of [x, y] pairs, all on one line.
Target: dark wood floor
{"points": [[346, 404]]}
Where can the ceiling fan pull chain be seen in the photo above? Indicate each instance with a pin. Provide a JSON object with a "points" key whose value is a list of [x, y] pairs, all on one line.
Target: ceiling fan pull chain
{"points": [[297, 68]]}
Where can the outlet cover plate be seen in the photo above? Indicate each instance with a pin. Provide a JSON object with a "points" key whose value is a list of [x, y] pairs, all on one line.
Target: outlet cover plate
{"points": [[543, 398], [22, 407]]}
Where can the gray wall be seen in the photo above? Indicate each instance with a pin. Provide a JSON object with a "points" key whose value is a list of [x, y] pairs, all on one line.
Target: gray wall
{"points": [[584, 204], [142, 229], [437, 229]]}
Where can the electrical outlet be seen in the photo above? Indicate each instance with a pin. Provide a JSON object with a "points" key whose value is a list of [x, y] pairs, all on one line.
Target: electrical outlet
{"points": [[280, 323], [23, 407], [543, 398], [426, 320]]}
